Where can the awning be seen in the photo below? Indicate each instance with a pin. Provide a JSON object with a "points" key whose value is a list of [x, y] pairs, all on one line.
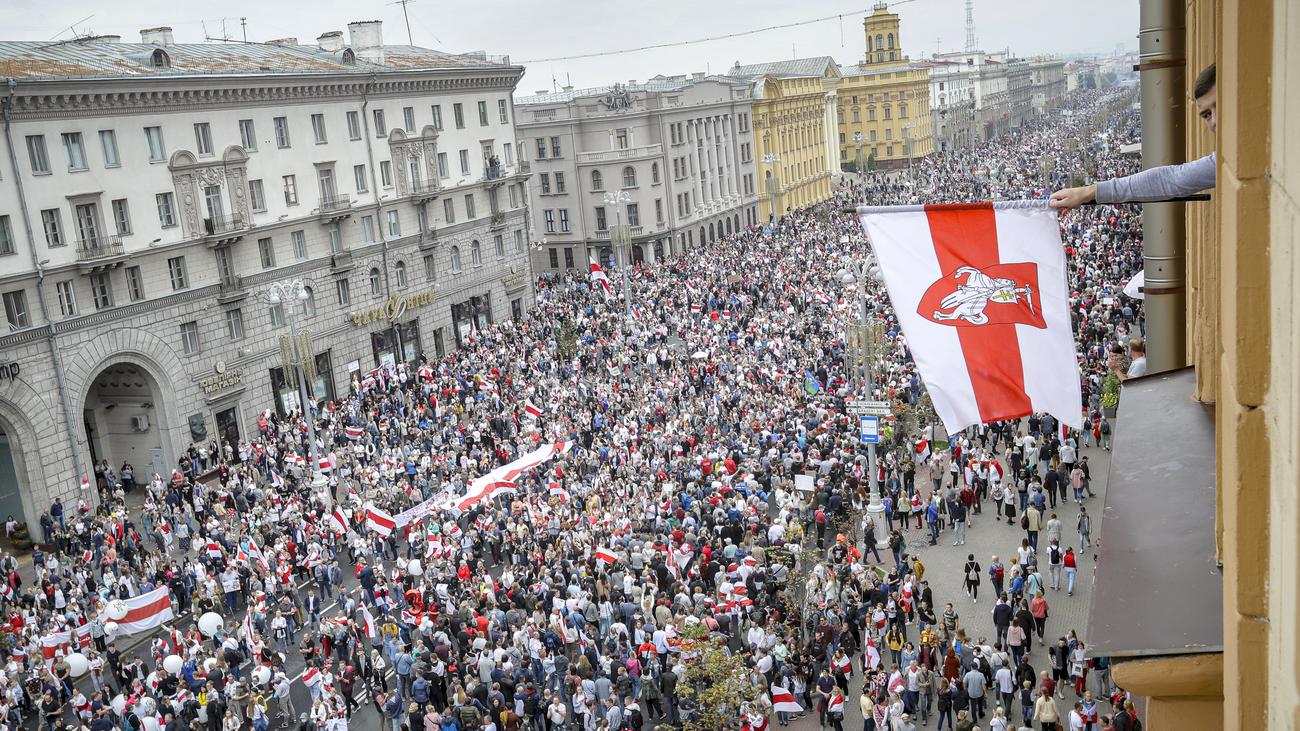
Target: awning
{"points": [[1157, 588]]}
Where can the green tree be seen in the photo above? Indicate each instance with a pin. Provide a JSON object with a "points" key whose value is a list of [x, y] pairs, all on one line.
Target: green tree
{"points": [[716, 682]]}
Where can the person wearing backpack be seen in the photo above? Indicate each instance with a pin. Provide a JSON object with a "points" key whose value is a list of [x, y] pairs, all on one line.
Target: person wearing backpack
{"points": [[1055, 561], [972, 572], [997, 573]]}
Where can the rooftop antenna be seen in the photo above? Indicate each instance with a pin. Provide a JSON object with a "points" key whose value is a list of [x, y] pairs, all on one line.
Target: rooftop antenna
{"points": [[404, 3], [243, 24], [73, 27], [970, 26]]}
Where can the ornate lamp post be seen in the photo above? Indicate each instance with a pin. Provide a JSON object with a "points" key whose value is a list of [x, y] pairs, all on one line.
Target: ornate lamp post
{"points": [[862, 271], [288, 294], [621, 238]]}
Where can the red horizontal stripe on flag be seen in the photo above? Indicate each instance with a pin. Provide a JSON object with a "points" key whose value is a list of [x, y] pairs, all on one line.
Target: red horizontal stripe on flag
{"points": [[146, 611]]}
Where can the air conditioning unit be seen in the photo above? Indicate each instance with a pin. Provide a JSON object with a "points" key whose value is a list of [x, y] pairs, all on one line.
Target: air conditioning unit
{"points": [[140, 423]]}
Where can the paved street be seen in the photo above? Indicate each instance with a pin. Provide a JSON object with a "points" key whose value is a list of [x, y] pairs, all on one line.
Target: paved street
{"points": [[985, 538]]}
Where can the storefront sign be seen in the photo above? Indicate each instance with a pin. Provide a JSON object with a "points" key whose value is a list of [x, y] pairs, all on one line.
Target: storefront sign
{"points": [[224, 378], [9, 371], [393, 309], [512, 280]]}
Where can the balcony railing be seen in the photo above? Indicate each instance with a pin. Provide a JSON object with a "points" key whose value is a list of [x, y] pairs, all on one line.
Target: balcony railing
{"points": [[223, 224], [100, 247], [425, 187], [494, 172], [625, 154], [338, 202], [604, 233]]}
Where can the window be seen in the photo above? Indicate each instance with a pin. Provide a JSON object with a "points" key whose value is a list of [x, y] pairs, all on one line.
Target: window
{"points": [[344, 291], [448, 210], [74, 151], [154, 139], [559, 182], [256, 195], [381, 130], [386, 173], [629, 177], [368, 229], [408, 118], [514, 196], [654, 173], [541, 148], [281, 131], [394, 224], [266, 252], [871, 114], [318, 128], [442, 165], [190, 337], [359, 177], [545, 179], [67, 298], [399, 273], [620, 139], [277, 314], [36, 151], [16, 309], [134, 285], [247, 135], [354, 125], [308, 303], [299, 240], [659, 210], [564, 220], [555, 147], [464, 162], [469, 207], [430, 267], [176, 268], [502, 112], [549, 214], [482, 114], [458, 114], [121, 216], [455, 259], [374, 280], [291, 190], [108, 143], [633, 214], [887, 115], [6, 236], [555, 259], [476, 254], [597, 180], [499, 245], [101, 289], [437, 117], [508, 153], [203, 138], [601, 223], [857, 115], [568, 258], [519, 241], [52, 222], [235, 324]]}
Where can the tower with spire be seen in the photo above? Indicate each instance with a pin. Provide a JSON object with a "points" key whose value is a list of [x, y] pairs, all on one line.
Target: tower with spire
{"points": [[884, 42]]}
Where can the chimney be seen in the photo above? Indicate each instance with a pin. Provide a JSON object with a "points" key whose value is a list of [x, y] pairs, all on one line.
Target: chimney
{"points": [[331, 41], [697, 76], [367, 40], [567, 88], [160, 36], [290, 41]]}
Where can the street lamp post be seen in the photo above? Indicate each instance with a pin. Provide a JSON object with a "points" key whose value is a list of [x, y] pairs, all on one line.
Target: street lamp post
{"points": [[617, 198], [863, 380], [288, 294], [773, 184]]}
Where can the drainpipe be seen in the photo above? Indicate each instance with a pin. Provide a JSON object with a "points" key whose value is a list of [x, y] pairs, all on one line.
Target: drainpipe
{"points": [[1161, 63], [400, 355], [50, 334]]}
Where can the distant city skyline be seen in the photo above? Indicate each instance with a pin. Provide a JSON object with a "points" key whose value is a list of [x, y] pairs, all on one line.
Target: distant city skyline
{"points": [[531, 33]]}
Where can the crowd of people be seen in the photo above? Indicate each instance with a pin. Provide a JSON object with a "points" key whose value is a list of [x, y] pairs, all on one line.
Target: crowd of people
{"points": [[561, 598]]}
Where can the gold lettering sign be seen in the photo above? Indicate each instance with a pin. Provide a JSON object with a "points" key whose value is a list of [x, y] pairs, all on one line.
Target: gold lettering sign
{"points": [[392, 309], [230, 377]]}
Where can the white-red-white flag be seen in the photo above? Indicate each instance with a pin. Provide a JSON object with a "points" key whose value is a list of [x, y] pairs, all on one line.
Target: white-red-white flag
{"points": [[783, 700], [379, 521], [981, 294], [599, 278], [339, 521], [369, 619], [532, 409], [608, 555], [146, 611]]}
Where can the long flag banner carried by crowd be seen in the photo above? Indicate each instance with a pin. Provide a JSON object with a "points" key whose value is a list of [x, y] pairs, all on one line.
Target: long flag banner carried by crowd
{"points": [[987, 281]]}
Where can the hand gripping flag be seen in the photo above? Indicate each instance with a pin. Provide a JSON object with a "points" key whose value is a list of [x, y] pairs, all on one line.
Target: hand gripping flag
{"points": [[339, 521], [981, 295]]}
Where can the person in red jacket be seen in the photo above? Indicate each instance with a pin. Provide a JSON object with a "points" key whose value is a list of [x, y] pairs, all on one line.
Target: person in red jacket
{"points": [[1070, 562]]}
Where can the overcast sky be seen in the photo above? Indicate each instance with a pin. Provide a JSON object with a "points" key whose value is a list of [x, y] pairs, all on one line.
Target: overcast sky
{"points": [[529, 30]]}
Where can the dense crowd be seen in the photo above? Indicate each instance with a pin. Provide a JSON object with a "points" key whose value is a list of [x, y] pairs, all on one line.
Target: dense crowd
{"points": [[562, 599]]}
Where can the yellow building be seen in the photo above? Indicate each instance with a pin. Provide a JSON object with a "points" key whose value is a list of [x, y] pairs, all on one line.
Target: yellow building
{"points": [[794, 108], [1235, 319], [883, 115]]}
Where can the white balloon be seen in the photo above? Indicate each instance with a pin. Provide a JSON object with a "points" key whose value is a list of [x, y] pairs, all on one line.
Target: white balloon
{"points": [[414, 568], [209, 664], [210, 623], [116, 610], [119, 704], [262, 675], [173, 664], [111, 629], [77, 664]]}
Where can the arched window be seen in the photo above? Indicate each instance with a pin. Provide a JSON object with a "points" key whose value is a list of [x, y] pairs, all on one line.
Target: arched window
{"points": [[868, 44], [455, 259], [476, 254], [654, 173], [399, 273], [597, 180], [629, 177], [159, 59], [902, 109], [891, 41], [309, 303], [374, 280], [880, 41]]}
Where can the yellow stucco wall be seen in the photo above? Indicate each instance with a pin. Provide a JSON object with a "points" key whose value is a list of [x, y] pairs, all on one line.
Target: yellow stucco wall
{"points": [[790, 124]]}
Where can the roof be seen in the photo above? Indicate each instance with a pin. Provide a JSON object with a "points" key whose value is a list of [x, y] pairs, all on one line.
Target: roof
{"points": [[656, 84], [107, 59], [1158, 590], [858, 69], [793, 68]]}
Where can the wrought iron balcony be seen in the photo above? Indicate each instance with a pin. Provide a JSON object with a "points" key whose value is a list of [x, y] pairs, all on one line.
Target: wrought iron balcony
{"points": [[99, 247], [338, 202], [426, 187], [494, 172], [223, 224]]}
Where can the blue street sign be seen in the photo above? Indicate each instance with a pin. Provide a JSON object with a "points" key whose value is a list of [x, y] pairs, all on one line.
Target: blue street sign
{"points": [[870, 429]]}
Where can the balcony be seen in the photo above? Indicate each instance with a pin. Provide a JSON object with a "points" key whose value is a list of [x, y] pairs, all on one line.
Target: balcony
{"points": [[214, 225], [630, 153], [231, 290], [338, 202], [604, 233], [498, 220], [426, 188], [524, 167], [99, 247], [494, 171]]}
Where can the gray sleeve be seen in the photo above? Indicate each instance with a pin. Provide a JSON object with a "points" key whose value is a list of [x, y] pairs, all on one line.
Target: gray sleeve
{"points": [[1168, 181]]}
